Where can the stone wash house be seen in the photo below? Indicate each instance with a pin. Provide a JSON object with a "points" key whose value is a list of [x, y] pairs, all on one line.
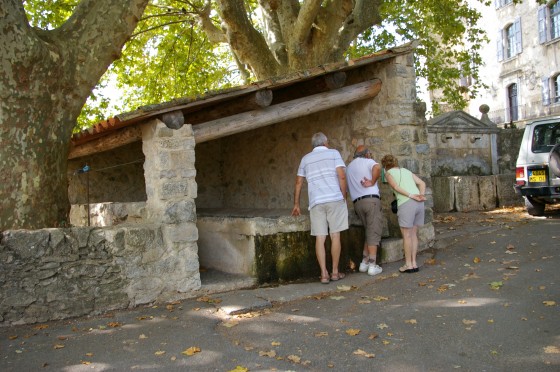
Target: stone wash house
{"points": [[172, 196]]}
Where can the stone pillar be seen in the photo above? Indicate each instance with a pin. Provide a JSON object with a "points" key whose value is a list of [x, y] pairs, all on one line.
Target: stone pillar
{"points": [[171, 190]]}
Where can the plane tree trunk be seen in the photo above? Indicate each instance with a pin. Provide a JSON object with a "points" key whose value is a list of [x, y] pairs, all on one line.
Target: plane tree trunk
{"points": [[45, 79]]}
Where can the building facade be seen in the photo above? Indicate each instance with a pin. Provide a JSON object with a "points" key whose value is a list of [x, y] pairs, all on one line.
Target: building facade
{"points": [[522, 62]]}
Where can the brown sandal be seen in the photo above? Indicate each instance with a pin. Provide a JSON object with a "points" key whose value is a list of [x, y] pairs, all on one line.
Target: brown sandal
{"points": [[338, 276]]}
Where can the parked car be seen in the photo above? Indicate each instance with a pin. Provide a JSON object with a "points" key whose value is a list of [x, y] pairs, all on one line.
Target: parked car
{"points": [[537, 172]]}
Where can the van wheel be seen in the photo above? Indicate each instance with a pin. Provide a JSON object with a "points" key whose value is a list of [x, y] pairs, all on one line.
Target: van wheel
{"points": [[534, 208]]}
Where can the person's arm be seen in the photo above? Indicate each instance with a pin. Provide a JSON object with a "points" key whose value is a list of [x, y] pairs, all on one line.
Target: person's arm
{"points": [[375, 175], [421, 186], [341, 172], [299, 183]]}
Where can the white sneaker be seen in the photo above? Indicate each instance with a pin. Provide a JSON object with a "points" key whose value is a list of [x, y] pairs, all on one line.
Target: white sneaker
{"points": [[364, 267], [374, 269]]}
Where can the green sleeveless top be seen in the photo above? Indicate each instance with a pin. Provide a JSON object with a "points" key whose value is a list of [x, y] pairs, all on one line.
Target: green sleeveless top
{"points": [[403, 178]]}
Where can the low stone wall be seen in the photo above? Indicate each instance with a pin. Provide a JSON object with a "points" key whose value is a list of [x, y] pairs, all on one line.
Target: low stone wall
{"points": [[474, 193], [53, 274]]}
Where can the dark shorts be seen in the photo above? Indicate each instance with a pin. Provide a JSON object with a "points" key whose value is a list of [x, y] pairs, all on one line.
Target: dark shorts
{"points": [[369, 212]]}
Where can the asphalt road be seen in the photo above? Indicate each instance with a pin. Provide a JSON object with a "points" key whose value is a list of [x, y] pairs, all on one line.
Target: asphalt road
{"points": [[486, 300]]}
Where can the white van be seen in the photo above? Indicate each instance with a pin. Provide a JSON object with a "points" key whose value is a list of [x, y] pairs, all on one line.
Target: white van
{"points": [[537, 171]]}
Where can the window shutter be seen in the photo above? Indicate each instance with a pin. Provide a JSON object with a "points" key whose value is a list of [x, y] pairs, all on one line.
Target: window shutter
{"points": [[542, 16], [517, 30], [500, 46], [545, 91]]}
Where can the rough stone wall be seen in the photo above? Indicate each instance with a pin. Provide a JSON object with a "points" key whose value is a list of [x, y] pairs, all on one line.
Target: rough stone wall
{"points": [[115, 176], [461, 154], [474, 193], [60, 273], [509, 141], [258, 168]]}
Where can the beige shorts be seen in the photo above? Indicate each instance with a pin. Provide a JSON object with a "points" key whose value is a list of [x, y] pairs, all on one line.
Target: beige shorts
{"points": [[328, 218]]}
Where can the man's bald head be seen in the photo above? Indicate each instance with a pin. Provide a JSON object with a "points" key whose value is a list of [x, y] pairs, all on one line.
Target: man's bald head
{"points": [[361, 152]]}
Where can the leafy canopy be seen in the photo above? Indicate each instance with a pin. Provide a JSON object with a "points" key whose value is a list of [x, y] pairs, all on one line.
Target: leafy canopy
{"points": [[170, 55]]}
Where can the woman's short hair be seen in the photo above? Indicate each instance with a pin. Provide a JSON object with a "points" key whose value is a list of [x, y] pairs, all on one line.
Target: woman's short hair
{"points": [[318, 139], [389, 161]]}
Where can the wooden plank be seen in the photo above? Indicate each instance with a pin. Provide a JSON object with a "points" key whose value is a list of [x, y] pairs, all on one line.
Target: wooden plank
{"points": [[285, 111], [116, 139]]}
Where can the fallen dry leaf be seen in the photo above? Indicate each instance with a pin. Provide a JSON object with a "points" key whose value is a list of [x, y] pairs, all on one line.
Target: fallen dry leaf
{"points": [[191, 351], [142, 337], [343, 288], [270, 353], [549, 303], [239, 369], [337, 298], [469, 322], [159, 352], [58, 346], [294, 358], [230, 323], [496, 285], [381, 298], [551, 349], [89, 354], [382, 326], [321, 334], [411, 321], [85, 362], [114, 324], [363, 353], [275, 343], [352, 332], [476, 260], [41, 326], [373, 336], [12, 337]]}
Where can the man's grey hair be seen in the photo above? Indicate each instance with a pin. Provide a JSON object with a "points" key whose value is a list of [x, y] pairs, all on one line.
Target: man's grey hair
{"points": [[318, 139], [361, 154]]}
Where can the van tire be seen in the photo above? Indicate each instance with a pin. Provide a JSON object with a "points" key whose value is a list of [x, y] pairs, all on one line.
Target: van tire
{"points": [[534, 208]]}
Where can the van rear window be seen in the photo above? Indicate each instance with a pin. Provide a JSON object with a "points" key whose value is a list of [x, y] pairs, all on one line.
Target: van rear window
{"points": [[545, 136]]}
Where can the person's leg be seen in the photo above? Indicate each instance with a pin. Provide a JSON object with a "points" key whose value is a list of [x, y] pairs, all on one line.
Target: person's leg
{"points": [[372, 252], [414, 246], [365, 259], [321, 255], [335, 252], [407, 246]]}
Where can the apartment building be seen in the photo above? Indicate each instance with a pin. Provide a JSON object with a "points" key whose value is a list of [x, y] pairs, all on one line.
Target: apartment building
{"points": [[522, 62]]}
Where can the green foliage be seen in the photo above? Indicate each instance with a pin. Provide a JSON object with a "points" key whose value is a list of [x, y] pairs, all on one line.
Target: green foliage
{"points": [[449, 43], [169, 56]]}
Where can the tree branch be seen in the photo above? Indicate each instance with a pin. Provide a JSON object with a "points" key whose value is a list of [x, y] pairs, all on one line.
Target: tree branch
{"points": [[305, 19], [215, 35], [249, 45], [96, 33], [364, 15]]}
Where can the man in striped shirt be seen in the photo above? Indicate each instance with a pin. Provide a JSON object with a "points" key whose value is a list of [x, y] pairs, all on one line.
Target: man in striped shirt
{"points": [[324, 170]]}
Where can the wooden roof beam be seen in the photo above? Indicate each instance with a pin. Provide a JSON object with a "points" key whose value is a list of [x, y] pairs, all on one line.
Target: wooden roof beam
{"points": [[285, 111]]}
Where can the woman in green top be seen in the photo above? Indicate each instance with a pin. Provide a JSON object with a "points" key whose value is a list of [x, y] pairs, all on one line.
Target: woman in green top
{"points": [[409, 190]]}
